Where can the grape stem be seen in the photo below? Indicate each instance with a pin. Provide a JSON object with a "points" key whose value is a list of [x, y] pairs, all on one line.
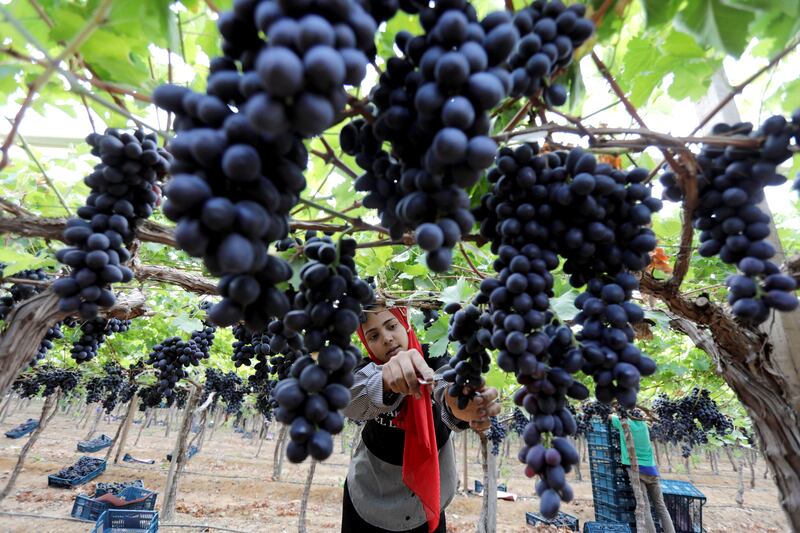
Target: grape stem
{"points": [[97, 82], [631, 109], [356, 222], [213, 7], [469, 261], [329, 157]]}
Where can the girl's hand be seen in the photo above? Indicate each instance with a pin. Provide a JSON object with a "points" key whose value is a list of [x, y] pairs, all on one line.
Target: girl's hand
{"points": [[401, 373], [478, 410]]}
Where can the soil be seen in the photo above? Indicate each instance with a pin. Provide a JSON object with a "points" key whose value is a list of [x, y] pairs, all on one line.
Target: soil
{"points": [[226, 486]]}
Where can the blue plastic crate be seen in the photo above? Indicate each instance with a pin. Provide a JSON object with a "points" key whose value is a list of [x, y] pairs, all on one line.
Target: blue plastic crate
{"points": [[674, 487], [607, 468], [603, 453], [189, 453], [479, 486], [115, 488], [54, 481], [90, 509], [621, 499], [610, 482], [23, 429], [609, 514], [561, 520], [89, 446], [605, 527], [123, 521]]}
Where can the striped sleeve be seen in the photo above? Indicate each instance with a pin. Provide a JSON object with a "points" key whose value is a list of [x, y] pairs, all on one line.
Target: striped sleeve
{"points": [[367, 400], [440, 389]]}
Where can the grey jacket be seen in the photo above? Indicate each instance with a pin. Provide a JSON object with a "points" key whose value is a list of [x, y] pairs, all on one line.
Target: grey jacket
{"points": [[374, 480]]}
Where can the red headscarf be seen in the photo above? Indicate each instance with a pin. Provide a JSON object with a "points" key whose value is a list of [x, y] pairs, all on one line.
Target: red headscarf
{"points": [[420, 453]]}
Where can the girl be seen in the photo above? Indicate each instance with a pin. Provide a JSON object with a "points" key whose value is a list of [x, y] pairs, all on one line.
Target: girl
{"points": [[403, 473]]}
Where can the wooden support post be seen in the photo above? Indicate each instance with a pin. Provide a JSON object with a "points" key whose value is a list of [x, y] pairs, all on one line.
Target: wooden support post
{"points": [[126, 429], [48, 410], [465, 468], [641, 525], [277, 460], [122, 430], [487, 521], [94, 424], [301, 521], [147, 418], [178, 461]]}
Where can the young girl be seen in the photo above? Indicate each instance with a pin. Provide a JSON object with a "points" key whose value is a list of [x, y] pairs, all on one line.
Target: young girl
{"points": [[403, 473]]}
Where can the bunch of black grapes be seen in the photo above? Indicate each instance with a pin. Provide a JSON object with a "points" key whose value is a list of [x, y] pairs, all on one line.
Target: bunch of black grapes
{"points": [[54, 333], [327, 311], [606, 317], [227, 386], [243, 349], [150, 396], [204, 337], [433, 104], [519, 420], [239, 151], [93, 334], [591, 409], [82, 467], [26, 385], [178, 398], [592, 215], [730, 186], [94, 390], [126, 391], [111, 383], [46, 379], [430, 316], [124, 189], [22, 291], [496, 434], [170, 358], [549, 34], [543, 207], [688, 420], [469, 327]]}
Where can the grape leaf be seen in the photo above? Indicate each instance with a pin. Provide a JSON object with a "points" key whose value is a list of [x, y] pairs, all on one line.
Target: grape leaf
{"points": [[716, 24]]}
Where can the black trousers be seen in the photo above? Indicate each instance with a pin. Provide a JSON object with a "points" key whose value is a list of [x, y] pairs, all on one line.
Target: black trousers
{"points": [[353, 523]]}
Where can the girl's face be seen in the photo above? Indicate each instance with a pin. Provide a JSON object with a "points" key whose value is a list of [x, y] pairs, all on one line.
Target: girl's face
{"points": [[385, 334]]}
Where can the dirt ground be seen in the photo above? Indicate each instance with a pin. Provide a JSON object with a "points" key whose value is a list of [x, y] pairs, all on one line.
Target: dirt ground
{"points": [[225, 487]]}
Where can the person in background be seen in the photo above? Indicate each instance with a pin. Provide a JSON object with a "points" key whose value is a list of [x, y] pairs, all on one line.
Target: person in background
{"points": [[403, 474], [648, 473]]}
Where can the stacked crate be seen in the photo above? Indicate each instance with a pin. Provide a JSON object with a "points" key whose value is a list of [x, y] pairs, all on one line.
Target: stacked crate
{"points": [[613, 495], [611, 489]]}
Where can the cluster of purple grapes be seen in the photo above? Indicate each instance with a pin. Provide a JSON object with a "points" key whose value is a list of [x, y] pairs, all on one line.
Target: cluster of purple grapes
{"points": [[689, 419], [239, 155], [327, 311], [433, 107], [543, 207], [550, 34], [124, 189], [496, 434], [591, 409], [227, 386], [93, 334], [44, 380], [106, 387], [22, 291], [732, 226], [519, 420]]}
